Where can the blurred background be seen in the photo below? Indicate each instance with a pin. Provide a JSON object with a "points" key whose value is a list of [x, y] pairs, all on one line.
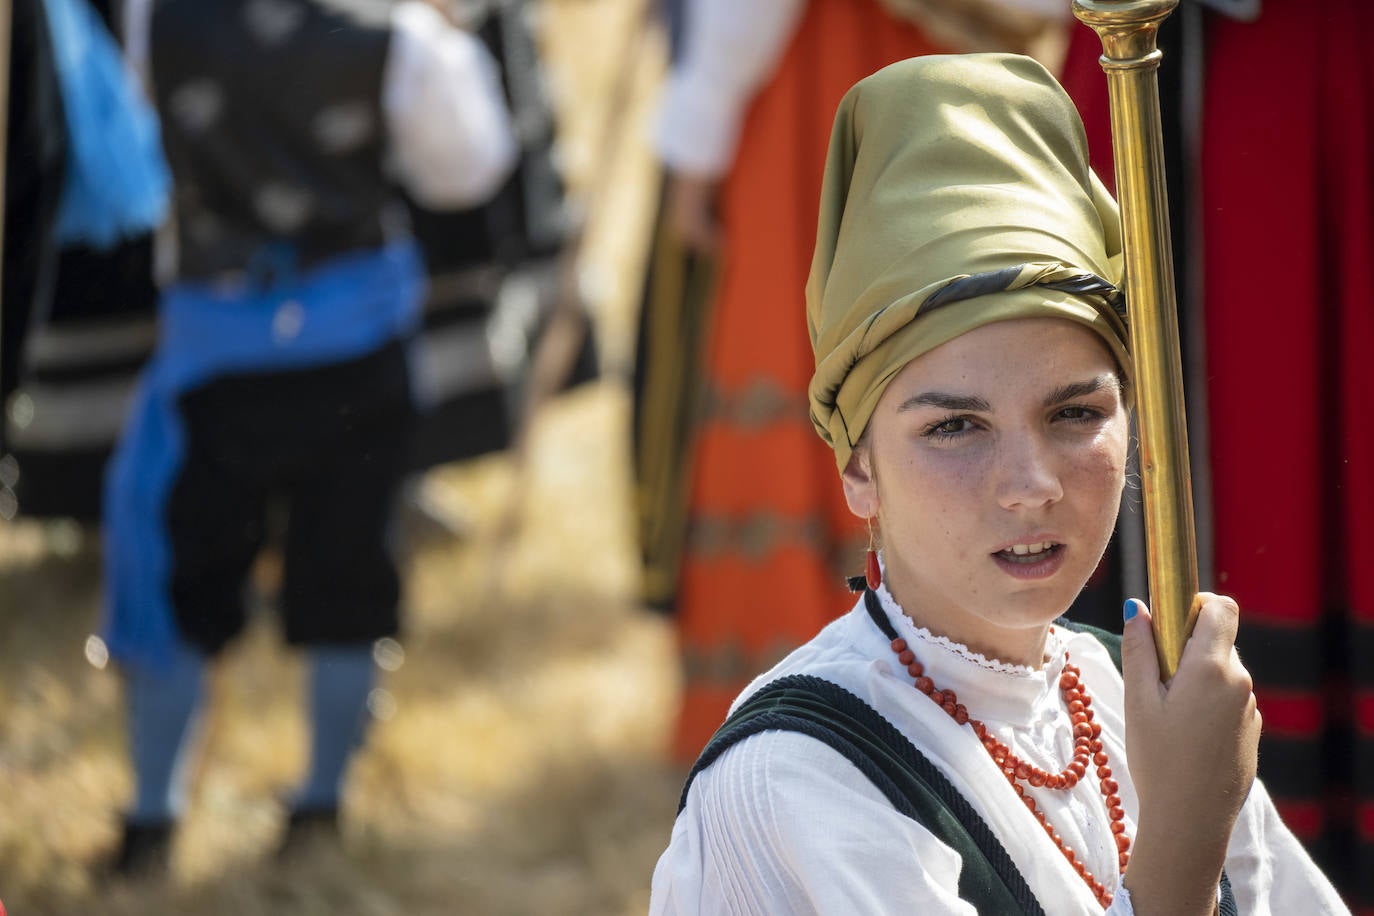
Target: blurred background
{"points": [[515, 759]]}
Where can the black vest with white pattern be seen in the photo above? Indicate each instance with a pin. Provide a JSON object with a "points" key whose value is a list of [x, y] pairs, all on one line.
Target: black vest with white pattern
{"points": [[272, 123]]}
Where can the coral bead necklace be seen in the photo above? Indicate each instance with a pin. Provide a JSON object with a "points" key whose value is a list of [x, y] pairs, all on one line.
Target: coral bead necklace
{"points": [[1088, 751]]}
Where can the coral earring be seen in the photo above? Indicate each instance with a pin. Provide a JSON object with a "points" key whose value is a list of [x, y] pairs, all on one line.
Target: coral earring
{"points": [[872, 571]]}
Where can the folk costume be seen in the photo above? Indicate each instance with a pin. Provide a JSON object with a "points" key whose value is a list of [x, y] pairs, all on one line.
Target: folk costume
{"points": [[956, 194], [281, 368], [786, 823], [1296, 559]]}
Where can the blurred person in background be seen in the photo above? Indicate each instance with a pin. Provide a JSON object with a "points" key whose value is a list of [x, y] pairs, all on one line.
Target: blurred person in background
{"points": [[72, 357], [84, 167], [744, 531], [34, 169], [281, 369], [492, 289], [113, 193]]}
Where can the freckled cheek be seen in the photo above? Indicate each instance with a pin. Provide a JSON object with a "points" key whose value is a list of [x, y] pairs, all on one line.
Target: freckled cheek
{"points": [[1100, 471], [944, 483], [943, 498]]}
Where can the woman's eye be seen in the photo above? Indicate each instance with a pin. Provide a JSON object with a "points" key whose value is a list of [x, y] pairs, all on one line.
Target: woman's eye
{"points": [[951, 427], [1079, 414]]}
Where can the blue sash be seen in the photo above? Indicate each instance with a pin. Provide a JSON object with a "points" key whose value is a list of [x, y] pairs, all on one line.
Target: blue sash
{"points": [[343, 309]]}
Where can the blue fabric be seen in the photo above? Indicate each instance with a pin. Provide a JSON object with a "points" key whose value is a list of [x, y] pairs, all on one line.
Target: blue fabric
{"points": [[161, 705], [341, 310], [117, 180], [340, 681]]}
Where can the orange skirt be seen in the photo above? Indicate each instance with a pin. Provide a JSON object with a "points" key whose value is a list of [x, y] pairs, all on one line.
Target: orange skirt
{"points": [[769, 538]]}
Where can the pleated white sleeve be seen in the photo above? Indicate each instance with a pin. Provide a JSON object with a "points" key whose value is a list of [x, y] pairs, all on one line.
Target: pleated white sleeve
{"points": [[1271, 873]]}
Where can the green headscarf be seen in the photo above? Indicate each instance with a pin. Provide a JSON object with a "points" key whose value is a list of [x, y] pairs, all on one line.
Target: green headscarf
{"points": [[957, 193]]}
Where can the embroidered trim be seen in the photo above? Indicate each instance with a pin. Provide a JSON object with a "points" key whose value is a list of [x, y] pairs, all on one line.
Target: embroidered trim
{"points": [[1053, 646]]}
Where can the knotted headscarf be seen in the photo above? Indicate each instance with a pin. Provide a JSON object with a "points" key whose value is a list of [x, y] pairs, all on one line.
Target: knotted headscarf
{"points": [[957, 193]]}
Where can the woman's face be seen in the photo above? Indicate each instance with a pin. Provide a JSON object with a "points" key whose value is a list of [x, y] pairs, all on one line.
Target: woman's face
{"points": [[994, 464]]}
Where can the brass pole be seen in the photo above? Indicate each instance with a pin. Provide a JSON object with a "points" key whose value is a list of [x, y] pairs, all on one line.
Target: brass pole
{"points": [[1129, 29]]}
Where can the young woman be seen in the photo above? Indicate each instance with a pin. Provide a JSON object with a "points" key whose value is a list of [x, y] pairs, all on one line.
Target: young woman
{"points": [[952, 745]]}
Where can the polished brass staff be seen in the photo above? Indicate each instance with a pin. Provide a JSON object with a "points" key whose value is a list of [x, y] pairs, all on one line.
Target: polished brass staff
{"points": [[1128, 29]]}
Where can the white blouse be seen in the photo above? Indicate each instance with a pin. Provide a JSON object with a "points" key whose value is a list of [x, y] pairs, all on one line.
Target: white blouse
{"points": [[781, 823]]}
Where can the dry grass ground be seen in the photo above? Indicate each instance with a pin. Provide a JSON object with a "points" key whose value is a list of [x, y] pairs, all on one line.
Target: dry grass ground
{"points": [[515, 764]]}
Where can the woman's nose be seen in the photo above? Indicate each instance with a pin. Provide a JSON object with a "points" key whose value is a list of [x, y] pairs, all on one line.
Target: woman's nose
{"points": [[1027, 474]]}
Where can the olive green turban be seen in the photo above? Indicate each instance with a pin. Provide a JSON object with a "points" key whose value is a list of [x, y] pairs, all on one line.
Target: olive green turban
{"points": [[957, 193]]}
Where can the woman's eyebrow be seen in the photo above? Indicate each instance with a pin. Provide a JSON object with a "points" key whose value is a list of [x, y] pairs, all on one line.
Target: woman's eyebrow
{"points": [[1079, 389], [969, 402], [946, 402]]}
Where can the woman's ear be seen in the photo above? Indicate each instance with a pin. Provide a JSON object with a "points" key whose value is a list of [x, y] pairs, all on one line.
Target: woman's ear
{"points": [[860, 483]]}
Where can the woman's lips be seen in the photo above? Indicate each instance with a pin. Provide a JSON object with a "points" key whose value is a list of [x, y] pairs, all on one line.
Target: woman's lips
{"points": [[1040, 565]]}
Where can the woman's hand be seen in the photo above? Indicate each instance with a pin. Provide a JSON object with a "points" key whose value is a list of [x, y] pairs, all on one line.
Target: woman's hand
{"points": [[691, 205], [1192, 745]]}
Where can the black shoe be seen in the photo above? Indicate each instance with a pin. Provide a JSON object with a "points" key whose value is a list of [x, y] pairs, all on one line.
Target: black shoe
{"points": [[305, 827], [145, 851]]}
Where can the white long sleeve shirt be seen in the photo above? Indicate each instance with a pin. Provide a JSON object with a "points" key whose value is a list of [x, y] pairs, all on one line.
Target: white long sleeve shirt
{"points": [[781, 823]]}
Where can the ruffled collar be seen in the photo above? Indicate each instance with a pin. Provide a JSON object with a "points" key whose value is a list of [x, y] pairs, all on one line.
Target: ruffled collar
{"points": [[993, 690]]}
